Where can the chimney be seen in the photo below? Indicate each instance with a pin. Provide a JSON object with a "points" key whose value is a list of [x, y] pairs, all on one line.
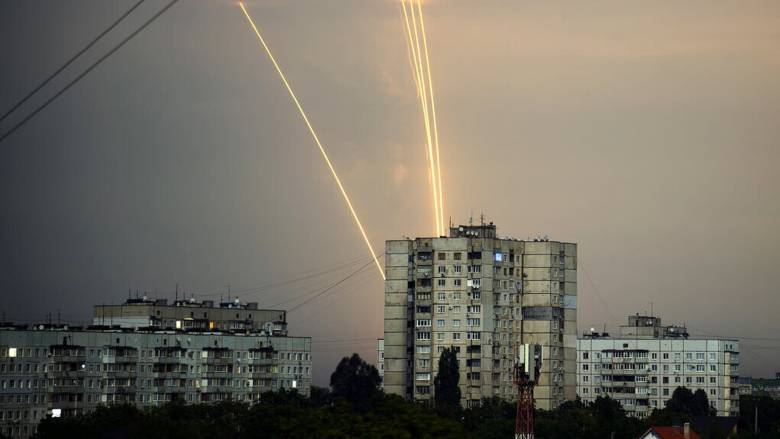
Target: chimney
{"points": [[687, 430]]}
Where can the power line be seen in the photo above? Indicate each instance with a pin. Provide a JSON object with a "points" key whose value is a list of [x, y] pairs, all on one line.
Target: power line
{"points": [[596, 290], [264, 287], [332, 286], [85, 72], [71, 60]]}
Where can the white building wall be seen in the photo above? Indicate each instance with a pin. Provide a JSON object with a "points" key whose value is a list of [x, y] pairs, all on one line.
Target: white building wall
{"points": [[645, 372]]}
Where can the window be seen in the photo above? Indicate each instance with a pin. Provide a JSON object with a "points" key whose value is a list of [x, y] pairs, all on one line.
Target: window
{"points": [[456, 294], [456, 335], [442, 256], [654, 355], [458, 268], [423, 349], [665, 392], [473, 322], [689, 356], [457, 256], [440, 323], [423, 322], [456, 282], [700, 356], [666, 355], [456, 309], [584, 355], [441, 282], [475, 269], [498, 257], [423, 336], [473, 335], [456, 323], [422, 377], [476, 295], [712, 356], [474, 308], [439, 309], [439, 336], [442, 296], [585, 367], [441, 269]]}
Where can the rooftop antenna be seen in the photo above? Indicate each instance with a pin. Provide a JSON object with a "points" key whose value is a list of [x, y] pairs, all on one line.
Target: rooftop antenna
{"points": [[471, 218], [651, 309], [177, 292], [482, 218]]}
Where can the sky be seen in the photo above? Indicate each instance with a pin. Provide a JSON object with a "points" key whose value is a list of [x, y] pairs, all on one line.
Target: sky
{"points": [[646, 132]]}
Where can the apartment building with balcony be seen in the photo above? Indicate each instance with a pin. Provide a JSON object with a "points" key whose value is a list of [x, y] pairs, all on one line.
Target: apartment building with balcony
{"points": [[53, 370], [484, 296], [189, 314], [643, 365]]}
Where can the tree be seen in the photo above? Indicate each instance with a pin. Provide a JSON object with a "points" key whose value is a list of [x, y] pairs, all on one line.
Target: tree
{"points": [[446, 389], [685, 401], [355, 380]]}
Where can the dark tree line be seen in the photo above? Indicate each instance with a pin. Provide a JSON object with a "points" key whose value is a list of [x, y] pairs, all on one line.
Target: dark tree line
{"points": [[355, 406]]}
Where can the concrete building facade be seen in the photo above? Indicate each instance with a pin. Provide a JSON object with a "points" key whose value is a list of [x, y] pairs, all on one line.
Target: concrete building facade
{"points": [[643, 365], [147, 353], [482, 295], [189, 314]]}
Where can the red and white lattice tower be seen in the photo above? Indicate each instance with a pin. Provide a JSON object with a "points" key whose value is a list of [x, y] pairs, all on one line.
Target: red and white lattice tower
{"points": [[525, 374]]}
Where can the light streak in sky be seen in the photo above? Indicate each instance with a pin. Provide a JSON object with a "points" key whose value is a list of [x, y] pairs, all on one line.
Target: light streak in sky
{"points": [[433, 114], [316, 140], [418, 44]]}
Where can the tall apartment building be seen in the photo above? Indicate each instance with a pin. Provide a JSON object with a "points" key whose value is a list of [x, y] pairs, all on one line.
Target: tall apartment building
{"points": [[643, 365], [484, 296], [63, 371]]}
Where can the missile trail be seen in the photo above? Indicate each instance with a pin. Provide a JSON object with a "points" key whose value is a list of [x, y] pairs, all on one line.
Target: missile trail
{"points": [[316, 140], [408, 38], [426, 117], [433, 114], [418, 46]]}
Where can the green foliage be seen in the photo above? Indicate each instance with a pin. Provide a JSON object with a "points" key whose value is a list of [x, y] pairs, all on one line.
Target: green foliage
{"points": [[768, 417], [356, 381], [446, 389], [686, 402]]}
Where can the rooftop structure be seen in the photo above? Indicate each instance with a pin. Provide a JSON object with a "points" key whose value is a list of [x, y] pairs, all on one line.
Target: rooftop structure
{"points": [[189, 314]]}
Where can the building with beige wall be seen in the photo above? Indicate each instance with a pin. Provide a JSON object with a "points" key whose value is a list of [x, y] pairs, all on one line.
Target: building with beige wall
{"points": [[483, 295]]}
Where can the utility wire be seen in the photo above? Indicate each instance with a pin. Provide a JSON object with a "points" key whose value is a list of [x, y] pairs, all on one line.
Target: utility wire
{"points": [[71, 60], [596, 290], [263, 288], [332, 286], [85, 72]]}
